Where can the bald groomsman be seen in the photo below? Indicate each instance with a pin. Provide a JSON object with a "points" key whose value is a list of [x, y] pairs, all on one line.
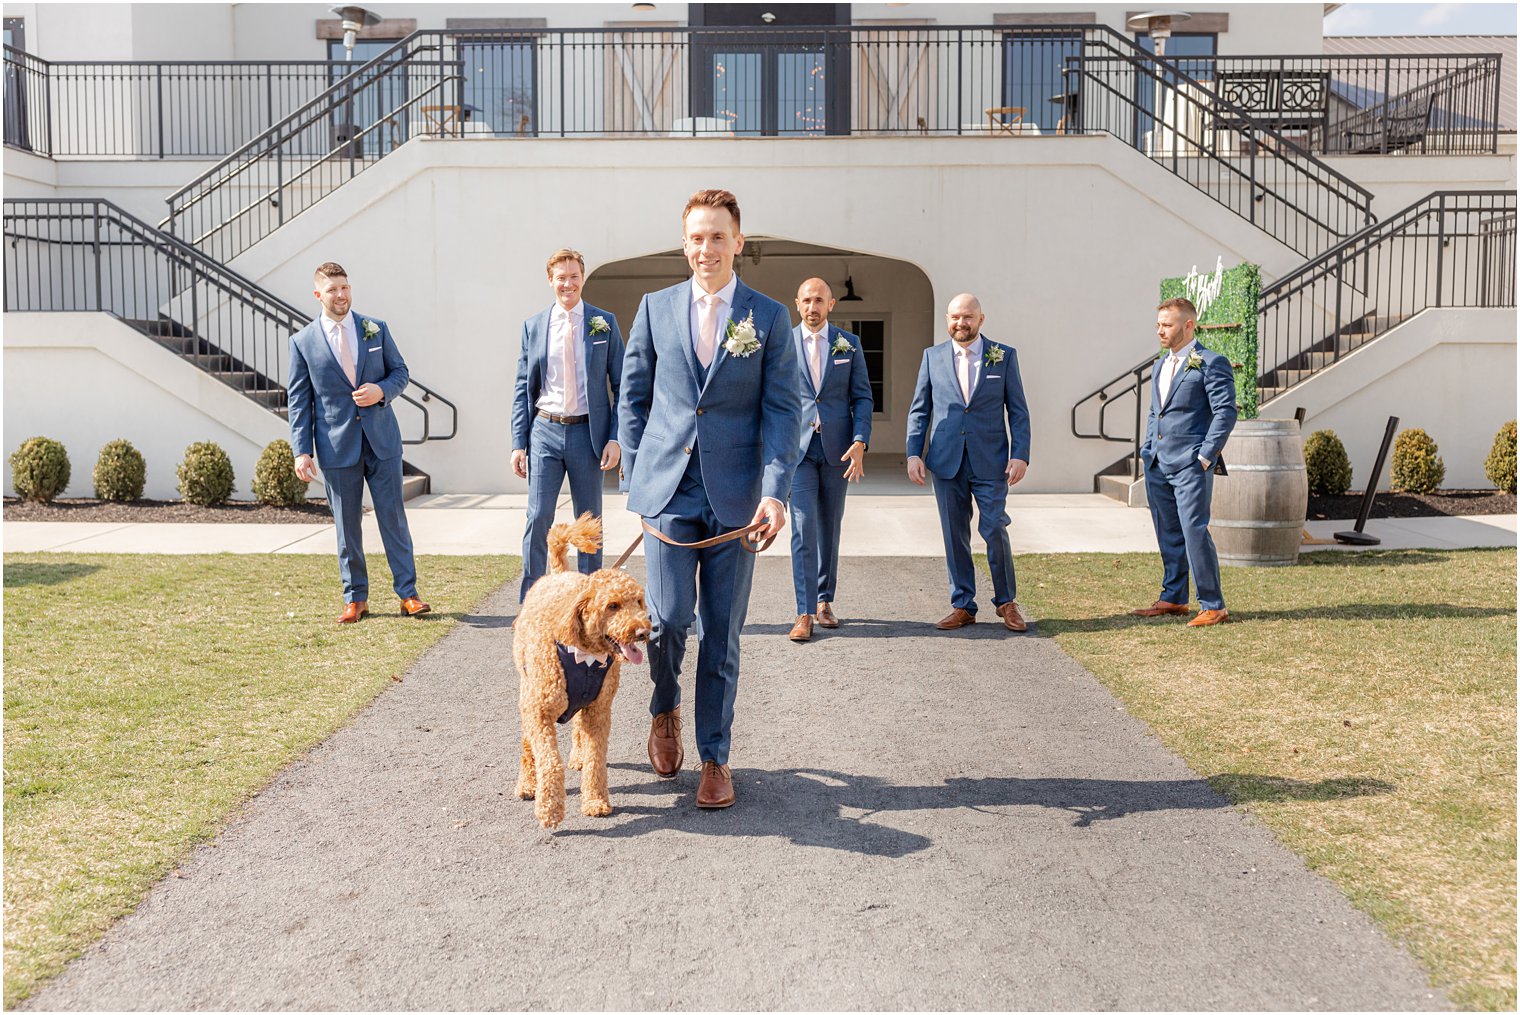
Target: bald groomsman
{"points": [[970, 389], [836, 412]]}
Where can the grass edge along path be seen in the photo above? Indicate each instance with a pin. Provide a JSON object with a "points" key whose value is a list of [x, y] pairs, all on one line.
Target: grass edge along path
{"points": [[148, 697], [1361, 705]]}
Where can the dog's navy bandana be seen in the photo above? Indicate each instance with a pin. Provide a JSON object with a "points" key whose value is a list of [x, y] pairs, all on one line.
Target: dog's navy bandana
{"points": [[583, 681]]}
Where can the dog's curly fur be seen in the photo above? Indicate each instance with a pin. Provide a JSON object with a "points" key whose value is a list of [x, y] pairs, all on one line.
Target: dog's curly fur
{"points": [[597, 613]]}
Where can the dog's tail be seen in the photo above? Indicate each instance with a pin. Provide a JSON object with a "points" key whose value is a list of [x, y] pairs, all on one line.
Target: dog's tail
{"points": [[585, 534]]}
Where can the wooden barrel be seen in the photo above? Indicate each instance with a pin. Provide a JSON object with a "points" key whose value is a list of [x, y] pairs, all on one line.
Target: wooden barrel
{"points": [[1259, 508]]}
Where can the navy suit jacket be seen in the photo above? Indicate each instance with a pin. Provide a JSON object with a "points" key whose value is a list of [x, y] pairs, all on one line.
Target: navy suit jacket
{"points": [[742, 421], [980, 428], [323, 417], [601, 353], [1196, 418], [844, 405]]}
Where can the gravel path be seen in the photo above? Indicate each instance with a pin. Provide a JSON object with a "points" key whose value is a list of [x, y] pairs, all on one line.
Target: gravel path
{"points": [[925, 820]]}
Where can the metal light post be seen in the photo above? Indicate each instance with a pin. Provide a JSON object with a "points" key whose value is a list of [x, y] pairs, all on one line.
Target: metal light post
{"points": [[355, 19]]}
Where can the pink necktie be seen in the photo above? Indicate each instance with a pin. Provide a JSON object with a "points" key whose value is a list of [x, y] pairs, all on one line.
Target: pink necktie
{"points": [[816, 362], [707, 327], [1171, 376], [965, 372], [346, 357], [572, 383]]}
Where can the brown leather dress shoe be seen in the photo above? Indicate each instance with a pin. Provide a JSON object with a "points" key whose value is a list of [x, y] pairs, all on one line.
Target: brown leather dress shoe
{"points": [[1161, 608], [665, 752], [826, 616], [414, 607], [958, 618], [803, 629], [716, 790], [353, 611], [1208, 618], [1012, 618]]}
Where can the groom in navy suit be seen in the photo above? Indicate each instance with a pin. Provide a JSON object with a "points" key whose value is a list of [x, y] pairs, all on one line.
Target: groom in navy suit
{"points": [[562, 417], [708, 423], [836, 414], [345, 371], [970, 389], [1192, 414]]}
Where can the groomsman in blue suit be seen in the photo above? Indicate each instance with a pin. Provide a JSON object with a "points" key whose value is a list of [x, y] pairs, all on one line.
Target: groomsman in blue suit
{"points": [[708, 422], [345, 372], [1192, 414], [836, 414], [563, 418], [969, 388]]}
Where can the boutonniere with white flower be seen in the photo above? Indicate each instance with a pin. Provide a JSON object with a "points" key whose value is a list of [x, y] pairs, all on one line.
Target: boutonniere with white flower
{"points": [[742, 340], [1194, 362], [599, 325], [371, 329], [841, 346], [994, 355]]}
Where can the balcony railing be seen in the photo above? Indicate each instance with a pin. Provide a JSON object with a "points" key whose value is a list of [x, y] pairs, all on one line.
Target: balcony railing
{"points": [[655, 81]]}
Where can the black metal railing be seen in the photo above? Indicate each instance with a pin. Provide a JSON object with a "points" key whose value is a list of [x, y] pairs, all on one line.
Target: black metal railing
{"points": [[90, 255], [1450, 249], [1176, 120]]}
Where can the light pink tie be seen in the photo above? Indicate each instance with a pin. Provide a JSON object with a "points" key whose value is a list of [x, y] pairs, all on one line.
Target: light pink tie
{"points": [[816, 362], [964, 356], [346, 356], [572, 383], [1171, 376], [707, 328]]}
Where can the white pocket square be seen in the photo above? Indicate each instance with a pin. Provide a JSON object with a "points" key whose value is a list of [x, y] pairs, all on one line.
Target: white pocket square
{"points": [[840, 362], [993, 377], [374, 348], [602, 342]]}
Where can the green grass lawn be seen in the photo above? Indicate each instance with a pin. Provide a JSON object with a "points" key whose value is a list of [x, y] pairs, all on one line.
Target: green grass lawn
{"points": [[1361, 705], [147, 697]]}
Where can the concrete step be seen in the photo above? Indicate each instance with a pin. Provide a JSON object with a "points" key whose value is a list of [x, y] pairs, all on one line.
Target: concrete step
{"points": [[1115, 487], [413, 486]]}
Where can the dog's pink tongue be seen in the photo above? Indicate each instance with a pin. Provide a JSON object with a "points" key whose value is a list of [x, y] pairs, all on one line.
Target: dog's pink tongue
{"points": [[633, 654]]}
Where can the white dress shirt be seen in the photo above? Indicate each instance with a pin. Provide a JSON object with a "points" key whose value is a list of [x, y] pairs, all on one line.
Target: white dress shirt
{"points": [[336, 332], [970, 356], [561, 395], [720, 312]]}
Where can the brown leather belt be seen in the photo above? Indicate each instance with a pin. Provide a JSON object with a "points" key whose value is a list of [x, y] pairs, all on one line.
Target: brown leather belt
{"points": [[753, 545], [556, 418]]}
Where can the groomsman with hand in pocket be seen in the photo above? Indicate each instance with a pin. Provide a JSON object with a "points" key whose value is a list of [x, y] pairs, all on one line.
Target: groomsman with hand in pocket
{"points": [[564, 410]]}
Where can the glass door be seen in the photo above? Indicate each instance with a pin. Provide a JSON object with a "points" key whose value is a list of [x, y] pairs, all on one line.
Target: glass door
{"points": [[770, 71]]}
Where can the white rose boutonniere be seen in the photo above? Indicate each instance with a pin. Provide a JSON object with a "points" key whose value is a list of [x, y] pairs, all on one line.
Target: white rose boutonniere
{"points": [[371, 329], [994, 355], [742, 340], [1194, 362], [599, 325], [842, 346]]}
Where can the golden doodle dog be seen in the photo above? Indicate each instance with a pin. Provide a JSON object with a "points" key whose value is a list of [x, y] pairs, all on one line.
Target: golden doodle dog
{"points": [[569, 643]]}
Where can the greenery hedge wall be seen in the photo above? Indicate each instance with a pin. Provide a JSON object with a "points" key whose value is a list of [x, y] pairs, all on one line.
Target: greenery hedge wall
{"points": [[1237, 304]]}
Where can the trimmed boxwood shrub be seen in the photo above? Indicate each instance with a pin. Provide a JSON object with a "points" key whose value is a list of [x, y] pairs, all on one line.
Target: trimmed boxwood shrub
{"points": [[205, 474], [1417, 468], [274, 476], [40, 469], [1329, 466], [1500, 464], [120, 472]]}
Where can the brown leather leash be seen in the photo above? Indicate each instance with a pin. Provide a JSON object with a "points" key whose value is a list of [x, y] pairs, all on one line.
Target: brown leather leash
{"points": [[753, 545]]}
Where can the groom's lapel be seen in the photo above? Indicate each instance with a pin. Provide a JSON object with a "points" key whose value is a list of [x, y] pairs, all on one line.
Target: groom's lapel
{"points": [[743, 297], [361, 349], [947, 369], [679, 309], [983, 366]]}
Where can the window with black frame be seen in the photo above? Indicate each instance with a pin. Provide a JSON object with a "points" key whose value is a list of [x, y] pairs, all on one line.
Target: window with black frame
{"points": [[499, 93], [1034, 77], [873, 345], [1192, 54], [17, 133]]}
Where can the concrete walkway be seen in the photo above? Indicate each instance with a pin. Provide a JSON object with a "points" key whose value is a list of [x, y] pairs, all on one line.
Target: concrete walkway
{"points": [[925, 820], [876, 525]]}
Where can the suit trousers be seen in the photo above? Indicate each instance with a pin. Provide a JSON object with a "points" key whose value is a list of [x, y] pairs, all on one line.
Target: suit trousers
{"points": [[556, 450], [711, 585], [1180, 505], [955, 496], [818, 492], [345, 496]]}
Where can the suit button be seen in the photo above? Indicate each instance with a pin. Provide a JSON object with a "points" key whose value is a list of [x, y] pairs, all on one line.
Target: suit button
{"points": [[687, 450], [700, 411], [966, 409]]}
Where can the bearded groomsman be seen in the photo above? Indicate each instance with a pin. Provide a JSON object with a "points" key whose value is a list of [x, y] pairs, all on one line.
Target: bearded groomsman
{"points": [[836, 413], [345, 371], [708, 422], [563, 417], [969, 388], [1192, 414]]}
